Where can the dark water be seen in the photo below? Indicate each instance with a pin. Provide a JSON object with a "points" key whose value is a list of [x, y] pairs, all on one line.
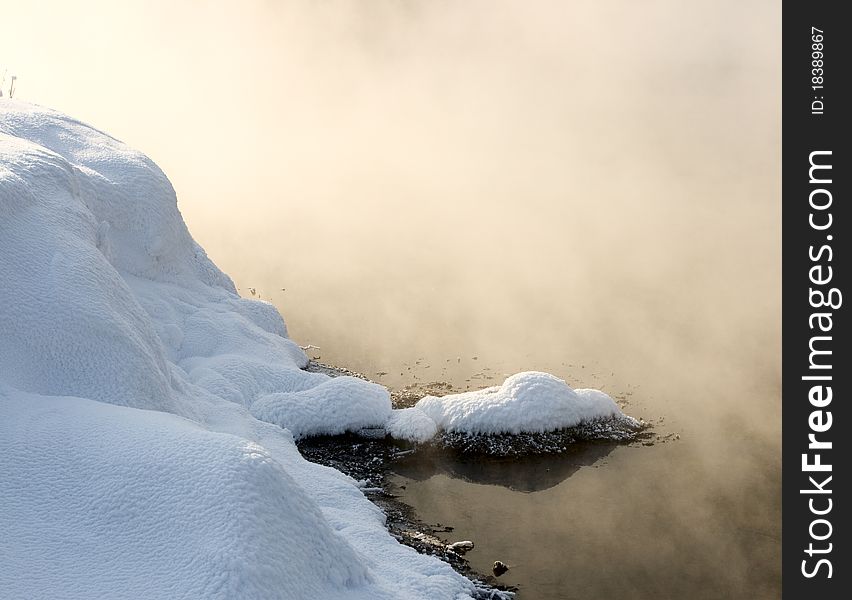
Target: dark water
{"points": [[606, 521]]}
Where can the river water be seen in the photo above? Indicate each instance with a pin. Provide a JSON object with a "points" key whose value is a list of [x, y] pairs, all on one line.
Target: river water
{"points": [[456, 193], [607, 522], [697, 515], [679, 318]]}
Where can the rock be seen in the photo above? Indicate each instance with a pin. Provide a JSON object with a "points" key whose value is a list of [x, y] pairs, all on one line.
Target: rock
{"points": [[499, 568], [461, 547]]}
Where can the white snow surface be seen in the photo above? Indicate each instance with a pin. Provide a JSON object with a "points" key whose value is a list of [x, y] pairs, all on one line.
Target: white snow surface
{"points": [[529, 402], [131, 464], [334, 406], [411, 424]]}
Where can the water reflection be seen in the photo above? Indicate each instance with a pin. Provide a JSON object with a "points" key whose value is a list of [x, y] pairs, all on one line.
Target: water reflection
{"points": [[666, 521], [527, 474]]}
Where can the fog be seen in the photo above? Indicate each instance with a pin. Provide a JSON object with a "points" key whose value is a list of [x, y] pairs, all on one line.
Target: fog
{"points": [[591, 187]]}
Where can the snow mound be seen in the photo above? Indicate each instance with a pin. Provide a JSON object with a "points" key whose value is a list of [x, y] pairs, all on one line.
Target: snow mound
{"points": [[529, 402], [152, 505], [411, 424], [130, 463], [335, 406], [107, 292]]}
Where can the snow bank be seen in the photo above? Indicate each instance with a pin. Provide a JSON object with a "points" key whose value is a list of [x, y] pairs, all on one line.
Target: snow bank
{"points": [[335, 406], [526, 403], [131, 465], [151, 505]]}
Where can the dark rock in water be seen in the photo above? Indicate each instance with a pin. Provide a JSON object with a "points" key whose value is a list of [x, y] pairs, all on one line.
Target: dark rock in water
{"points": [[499, 568]]}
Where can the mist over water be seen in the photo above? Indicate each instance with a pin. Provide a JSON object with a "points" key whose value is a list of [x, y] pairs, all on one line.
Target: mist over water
{"points": [[588, 188]]}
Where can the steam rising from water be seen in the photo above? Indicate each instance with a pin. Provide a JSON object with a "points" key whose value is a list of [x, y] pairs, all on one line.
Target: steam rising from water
{"points": [[541, 185]]}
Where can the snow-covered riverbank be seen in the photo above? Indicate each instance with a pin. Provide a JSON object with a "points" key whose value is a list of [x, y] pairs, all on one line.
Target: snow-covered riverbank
{"points": [[130, 463], [148, 413]]}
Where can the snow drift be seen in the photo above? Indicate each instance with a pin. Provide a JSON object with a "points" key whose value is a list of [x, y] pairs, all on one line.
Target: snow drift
{"points": [[334, 406], [109, 501], [529, 402], [130, 461]]}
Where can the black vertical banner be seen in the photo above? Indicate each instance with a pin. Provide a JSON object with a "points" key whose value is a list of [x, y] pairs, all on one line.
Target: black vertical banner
{"points": [[817, 373]]}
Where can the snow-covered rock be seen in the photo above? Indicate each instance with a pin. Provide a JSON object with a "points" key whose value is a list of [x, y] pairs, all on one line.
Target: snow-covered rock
{"points": [[130, 464], [529, 402], [461, 547]]}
